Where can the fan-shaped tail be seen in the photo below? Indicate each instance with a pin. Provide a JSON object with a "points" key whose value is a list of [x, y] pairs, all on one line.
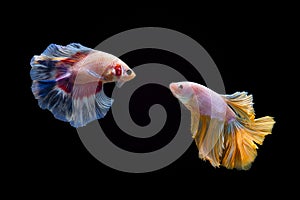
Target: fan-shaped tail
{"points": [[55, 89]]}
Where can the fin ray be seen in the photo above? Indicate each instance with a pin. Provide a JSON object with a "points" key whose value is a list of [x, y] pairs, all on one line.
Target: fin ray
{"points": [[103, 103], [241, 138], [90, 107], [241, 103], [56, 60], [54, 50], [52, 98], [209, 139]]}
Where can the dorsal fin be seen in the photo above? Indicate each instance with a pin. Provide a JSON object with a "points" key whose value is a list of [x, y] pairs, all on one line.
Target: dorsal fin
{"points": [[54, 50], [241, 103]]}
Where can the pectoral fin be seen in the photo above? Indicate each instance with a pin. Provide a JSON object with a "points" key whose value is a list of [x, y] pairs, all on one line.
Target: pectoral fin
{"points": [[95, 74]]}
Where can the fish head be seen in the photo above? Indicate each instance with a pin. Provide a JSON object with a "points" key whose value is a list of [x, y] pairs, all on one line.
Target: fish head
{"points": [[183, 91], [124, 73]]}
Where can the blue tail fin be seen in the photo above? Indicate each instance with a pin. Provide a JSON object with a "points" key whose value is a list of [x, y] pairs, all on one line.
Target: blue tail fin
{"points": [[52, 98], [89, 108], [48, 73]]}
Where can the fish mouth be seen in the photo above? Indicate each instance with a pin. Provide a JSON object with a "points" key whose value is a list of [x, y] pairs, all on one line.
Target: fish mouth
{"points": [[132, 75], [173, 87]]}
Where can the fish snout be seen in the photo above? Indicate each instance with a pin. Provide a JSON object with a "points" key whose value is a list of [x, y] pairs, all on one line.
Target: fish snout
{"points": [[129, 75], [173, 87]]}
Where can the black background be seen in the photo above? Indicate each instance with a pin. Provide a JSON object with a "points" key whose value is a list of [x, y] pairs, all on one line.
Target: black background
{"points": [[245, 49]]}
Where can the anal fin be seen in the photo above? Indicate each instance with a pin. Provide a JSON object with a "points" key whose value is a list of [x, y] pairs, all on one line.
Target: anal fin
{"points": [[210, 139], [103, 103], [89, 103]]}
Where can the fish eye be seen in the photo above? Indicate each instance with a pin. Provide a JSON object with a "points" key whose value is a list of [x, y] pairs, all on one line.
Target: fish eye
{"points": [[180, 87], [128, 72]]}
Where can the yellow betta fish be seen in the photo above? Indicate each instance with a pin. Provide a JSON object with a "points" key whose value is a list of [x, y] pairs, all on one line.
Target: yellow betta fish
{"points": [[68, 81], [223, 126]]}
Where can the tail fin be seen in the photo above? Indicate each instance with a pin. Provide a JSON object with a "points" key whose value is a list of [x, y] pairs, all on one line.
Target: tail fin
{"points": [[53, 79], [51, 71], [52, 98], [243, 133]]}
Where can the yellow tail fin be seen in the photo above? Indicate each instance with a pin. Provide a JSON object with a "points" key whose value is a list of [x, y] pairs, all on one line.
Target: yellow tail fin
{"points": [[242, 134], [241, 139], [231, 144]]}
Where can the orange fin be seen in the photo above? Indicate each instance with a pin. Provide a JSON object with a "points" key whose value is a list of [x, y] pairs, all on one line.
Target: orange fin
{"points": [[210, 139], [241, 138]]}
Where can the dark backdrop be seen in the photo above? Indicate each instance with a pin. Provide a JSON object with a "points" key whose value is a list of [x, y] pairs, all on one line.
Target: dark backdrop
{"points": [[244, 49]]}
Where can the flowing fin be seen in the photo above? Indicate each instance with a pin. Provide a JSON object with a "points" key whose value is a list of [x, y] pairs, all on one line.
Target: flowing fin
{"points": [[54, 50], [87, 108], [195, 116], [53, 67], [56, 61], [103, 103], [209, 139], [53, 78], [53, 98], [241, 138], [42, 68], [241, 103]]}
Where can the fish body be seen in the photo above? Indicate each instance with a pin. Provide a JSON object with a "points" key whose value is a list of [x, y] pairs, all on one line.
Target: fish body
{"points": [[68, 81], [223, 126]]}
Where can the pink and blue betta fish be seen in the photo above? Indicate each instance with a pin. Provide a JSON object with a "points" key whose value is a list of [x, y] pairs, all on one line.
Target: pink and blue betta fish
{"points": [[223, 126], [68, 81]]}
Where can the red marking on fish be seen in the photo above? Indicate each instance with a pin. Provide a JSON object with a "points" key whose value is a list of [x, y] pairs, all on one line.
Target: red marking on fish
{"points": [[74, 58], [118, 70]]}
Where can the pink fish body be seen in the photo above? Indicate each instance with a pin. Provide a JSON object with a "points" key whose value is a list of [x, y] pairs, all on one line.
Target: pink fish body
{"points": [[223, 126], [68, 81]]}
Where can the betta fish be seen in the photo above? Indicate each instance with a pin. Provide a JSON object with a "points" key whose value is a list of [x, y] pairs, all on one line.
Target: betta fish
{"points": [[69, 80], [223, 126]]}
